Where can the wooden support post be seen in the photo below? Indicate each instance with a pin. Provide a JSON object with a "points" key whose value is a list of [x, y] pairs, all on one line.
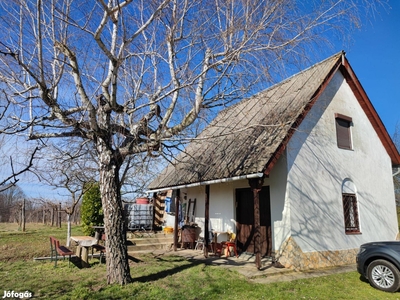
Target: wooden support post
{"points": [[256, 186], [59, 215], [206, 221], [177, 200], [23, 220]]}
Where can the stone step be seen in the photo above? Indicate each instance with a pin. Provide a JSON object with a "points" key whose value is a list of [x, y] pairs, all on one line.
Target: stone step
{"points": [[158, 240], [147, 247], [148, 242]]}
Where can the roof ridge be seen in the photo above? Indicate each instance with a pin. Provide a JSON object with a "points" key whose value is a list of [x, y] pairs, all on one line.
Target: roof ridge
{"points": [[336, 55]]}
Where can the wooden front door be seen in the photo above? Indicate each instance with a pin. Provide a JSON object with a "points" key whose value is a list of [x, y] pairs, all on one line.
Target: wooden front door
{"points": [[245, 221]]}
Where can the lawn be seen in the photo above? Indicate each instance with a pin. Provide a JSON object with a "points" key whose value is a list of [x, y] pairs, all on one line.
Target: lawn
{"points": [[155, 277]]}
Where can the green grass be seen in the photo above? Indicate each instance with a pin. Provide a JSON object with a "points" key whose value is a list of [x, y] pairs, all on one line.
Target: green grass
{"points": [[162, 277]]}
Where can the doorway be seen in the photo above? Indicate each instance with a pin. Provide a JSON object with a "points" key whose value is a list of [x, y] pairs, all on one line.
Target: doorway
{"points": [[245, 220]]}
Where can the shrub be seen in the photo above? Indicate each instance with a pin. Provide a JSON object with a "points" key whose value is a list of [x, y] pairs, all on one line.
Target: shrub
{"points": [[91, 209]]}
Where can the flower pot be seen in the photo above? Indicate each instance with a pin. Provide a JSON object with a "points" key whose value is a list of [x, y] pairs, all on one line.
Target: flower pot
{"points": [[142, 200]]}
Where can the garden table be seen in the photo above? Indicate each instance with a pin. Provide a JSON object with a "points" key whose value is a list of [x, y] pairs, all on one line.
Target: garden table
{"points": [[82, 249]]}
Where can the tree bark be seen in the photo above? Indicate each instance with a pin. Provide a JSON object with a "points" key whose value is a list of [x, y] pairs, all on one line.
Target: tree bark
{"points": [[118, 270], [68, 230]]}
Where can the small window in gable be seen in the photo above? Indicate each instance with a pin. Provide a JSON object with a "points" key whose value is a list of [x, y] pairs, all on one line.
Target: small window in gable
{"points": [[343, 132]]}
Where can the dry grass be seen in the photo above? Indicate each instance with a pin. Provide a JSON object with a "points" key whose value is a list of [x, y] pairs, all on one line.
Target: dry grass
{"points": [[16, 245]]}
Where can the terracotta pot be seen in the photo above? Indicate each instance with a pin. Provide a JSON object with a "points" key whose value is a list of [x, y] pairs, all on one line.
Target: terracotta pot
{"points": [[143, 200]]}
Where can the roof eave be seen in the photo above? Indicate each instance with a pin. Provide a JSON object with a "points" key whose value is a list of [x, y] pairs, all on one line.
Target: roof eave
{"points": [[209, 182]]}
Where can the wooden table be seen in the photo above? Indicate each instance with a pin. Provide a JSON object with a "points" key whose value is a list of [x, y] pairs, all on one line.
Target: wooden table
{"points": [[82, 249]]}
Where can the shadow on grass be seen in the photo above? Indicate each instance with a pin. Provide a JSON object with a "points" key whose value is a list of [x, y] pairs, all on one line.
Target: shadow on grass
{"points": [[168, 272], [134, 259], [363, 279]]}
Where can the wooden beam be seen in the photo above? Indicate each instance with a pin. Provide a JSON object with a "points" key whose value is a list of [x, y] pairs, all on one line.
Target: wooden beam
{"points": [[256, 186], [206, 221], [177, 200]]}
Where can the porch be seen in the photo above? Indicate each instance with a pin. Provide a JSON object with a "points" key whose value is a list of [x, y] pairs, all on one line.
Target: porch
{"points": [[245, 266]]}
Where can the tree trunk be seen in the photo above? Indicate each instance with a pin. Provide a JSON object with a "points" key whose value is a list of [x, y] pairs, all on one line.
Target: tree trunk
{"points": [[116, 250], [68, 229]]}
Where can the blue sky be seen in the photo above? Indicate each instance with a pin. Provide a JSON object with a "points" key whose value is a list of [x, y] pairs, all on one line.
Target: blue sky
{"points": [[375, 58], [374, 54]]}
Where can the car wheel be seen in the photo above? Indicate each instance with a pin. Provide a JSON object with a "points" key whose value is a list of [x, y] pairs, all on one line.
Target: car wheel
{"points": [[383, 275]]}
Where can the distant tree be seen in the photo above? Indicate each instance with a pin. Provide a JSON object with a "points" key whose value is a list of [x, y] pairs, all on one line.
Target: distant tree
{"points": [[10, 204], [68, 173], [91, 209]]}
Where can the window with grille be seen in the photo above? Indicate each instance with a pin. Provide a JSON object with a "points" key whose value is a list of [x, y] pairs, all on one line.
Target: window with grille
{"points": [[343, 133], [350, 211]]}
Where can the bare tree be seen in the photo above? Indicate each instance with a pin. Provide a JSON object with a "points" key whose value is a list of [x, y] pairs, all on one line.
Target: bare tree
{"points": [[131, 77], [11, 167], [68, 171], [10, 201]]}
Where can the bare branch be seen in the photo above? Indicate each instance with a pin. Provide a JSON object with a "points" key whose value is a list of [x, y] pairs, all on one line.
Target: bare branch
{"points": [[12, 180]]}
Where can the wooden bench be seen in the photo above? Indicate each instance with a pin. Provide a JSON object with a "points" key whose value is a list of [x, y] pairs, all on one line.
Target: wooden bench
{"points": [[56, 249]]}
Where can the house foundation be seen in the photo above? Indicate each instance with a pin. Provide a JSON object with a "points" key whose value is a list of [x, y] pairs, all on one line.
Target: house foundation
{"points": [[292, 257]]}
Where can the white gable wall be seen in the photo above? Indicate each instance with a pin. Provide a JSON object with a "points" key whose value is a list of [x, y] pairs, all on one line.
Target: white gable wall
{"points": [[317, 169], [280, 204]]}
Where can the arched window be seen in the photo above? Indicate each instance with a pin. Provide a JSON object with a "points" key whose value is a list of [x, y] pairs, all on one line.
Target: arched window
{"points": [[350, 207]]}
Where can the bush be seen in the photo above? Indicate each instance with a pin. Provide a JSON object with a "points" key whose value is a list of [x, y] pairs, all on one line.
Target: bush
{"points": [[91, 209]]}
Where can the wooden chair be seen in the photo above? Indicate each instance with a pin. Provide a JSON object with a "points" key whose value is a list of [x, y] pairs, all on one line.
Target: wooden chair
{"points": [[100, 248], [56, 249], [227, 245], [200, 242]]}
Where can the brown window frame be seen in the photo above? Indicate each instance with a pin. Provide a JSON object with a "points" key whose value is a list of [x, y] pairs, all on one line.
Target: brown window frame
{"points": [[343, 132], [350, 214]]}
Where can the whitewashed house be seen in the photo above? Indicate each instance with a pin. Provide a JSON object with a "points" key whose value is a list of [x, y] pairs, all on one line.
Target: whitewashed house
{"points": [[301, 171]]}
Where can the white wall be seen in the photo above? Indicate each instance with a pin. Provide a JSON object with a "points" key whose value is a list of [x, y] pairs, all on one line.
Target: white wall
{"points": [[223, 209], [280, 203], [317, 169]]}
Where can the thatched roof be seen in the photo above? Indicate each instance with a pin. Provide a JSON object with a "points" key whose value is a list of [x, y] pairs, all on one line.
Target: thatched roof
{"points": [[248, 138]]}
